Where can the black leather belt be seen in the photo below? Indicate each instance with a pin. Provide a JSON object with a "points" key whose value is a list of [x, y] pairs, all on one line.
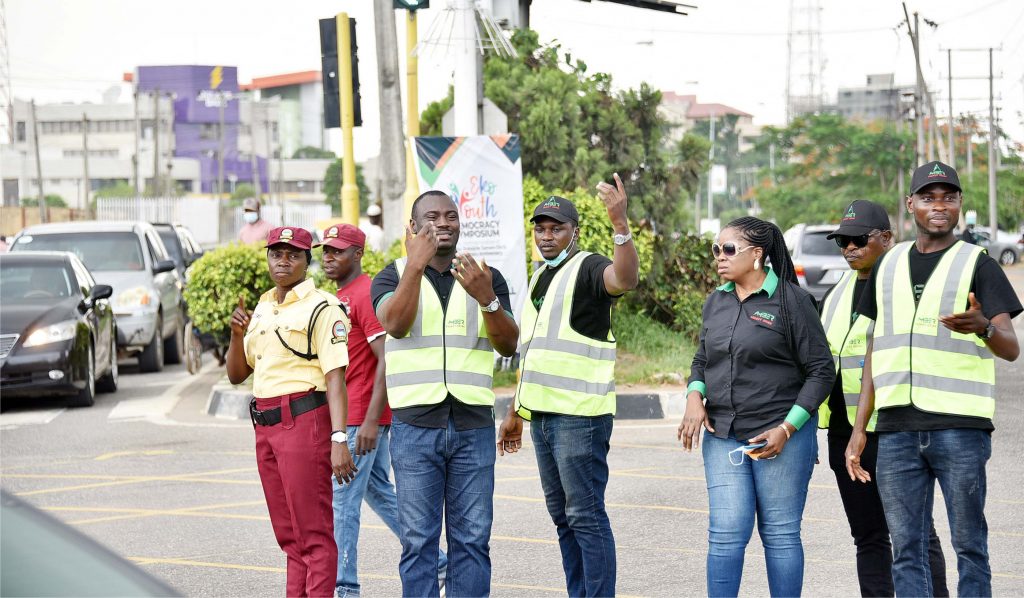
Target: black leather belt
{"points": [[272, 417]]}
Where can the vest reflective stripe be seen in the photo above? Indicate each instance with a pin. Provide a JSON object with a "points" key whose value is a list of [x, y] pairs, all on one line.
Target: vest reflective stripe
{"points": [[915, 359], [848, 344], [446, 351], [562, 371]]}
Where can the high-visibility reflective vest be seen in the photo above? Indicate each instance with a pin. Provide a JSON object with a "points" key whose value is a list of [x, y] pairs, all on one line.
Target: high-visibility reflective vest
{"points": [[561, 370], [445, 351], [848, 343], [914, 358]]}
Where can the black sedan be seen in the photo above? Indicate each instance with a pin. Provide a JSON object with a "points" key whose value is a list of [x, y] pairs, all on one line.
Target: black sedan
{"points": [[57, 330]]}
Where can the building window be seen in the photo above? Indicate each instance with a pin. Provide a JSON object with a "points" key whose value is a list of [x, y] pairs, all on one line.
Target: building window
{"points": [[19, 130]]}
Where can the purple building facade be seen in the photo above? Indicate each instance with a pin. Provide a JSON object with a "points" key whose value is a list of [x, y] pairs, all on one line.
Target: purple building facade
{"points": [[198, 93]]}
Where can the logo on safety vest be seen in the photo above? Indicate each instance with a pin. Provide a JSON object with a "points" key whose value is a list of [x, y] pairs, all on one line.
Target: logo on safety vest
{"points": [[340, 332], [457, 322]]}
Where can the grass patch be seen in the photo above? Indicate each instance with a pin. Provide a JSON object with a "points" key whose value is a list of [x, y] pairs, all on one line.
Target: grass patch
{"points": [[646, 349]]}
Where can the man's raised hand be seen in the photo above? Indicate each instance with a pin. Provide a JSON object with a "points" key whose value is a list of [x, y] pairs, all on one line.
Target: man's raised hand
{"points": [[614, 199], [421, 246]]}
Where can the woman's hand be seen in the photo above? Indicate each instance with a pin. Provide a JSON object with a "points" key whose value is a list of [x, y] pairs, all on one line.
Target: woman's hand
{"points": [[775, 438], [695, 417], [853, 451]]}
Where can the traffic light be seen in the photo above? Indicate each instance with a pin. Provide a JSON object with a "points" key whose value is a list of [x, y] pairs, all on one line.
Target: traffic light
{"points": [[329, 71], [411, 4]]}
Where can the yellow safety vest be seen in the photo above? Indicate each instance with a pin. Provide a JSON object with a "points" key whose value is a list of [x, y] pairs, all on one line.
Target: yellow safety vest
{"points": [[848, 344], [445, 351], [914, 358], [561, 370]]}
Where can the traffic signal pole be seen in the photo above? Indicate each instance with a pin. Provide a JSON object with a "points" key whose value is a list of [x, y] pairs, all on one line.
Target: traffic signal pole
{"points": [[412, 128], [349, 189]]}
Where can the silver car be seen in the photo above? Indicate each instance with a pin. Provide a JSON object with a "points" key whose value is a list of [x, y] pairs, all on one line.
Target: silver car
{"points": [[818, 261], [130, 257]]}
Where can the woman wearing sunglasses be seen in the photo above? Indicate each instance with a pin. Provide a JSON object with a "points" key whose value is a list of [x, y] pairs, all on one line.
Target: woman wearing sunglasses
{"points": [[762, 368]]}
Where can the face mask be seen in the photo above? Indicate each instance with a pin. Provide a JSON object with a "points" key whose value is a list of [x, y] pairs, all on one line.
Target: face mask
{"points": [[558, 259], [250, 217]]}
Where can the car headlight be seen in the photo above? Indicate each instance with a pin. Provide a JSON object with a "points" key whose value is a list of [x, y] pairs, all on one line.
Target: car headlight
{"points": [[132, 298], [54, 333]]}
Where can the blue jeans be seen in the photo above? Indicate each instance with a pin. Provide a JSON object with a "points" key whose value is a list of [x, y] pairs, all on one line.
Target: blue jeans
{"points": [[373, 483], [908, 465], [772, 491], [444, 471], [572, 456]]}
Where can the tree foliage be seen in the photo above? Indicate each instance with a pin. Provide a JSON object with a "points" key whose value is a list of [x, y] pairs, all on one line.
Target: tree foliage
{"points": [[52, 200], [217, 280], [309, 152], [332, 187]]}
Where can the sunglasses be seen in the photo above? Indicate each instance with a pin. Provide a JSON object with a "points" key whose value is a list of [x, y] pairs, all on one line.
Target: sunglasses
{"points": [[729, 249], [858, 241]]}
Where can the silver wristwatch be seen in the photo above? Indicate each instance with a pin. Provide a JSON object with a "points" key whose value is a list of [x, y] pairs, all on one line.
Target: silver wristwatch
{"points": [[622, 239], [491, 307]]}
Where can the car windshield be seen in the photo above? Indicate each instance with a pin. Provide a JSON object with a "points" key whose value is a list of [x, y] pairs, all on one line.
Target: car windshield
{"points": [[171, 242], [101, 251], [28, 283], [817, 244]]}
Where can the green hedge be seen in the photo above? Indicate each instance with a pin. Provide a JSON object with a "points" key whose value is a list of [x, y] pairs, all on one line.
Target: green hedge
{"points": [[218, 278]]}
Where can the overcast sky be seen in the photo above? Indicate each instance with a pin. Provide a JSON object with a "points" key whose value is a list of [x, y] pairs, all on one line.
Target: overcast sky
{"points": [[728, 51]]}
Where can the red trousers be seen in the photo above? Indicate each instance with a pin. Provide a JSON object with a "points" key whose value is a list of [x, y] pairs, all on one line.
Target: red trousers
{"points": [[294, 461]]}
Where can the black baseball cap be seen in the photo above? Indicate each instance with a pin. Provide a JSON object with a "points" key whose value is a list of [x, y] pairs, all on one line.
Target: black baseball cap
{"points": [[862, 217], [557, 208], [934, 172]]}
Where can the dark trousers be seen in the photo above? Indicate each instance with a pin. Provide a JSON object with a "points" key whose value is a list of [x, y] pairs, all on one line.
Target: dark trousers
{"points": [[294, 461], [867, 523]]}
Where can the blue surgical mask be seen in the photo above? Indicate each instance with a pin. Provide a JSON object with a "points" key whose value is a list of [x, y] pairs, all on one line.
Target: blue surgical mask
{"points": [[250, 217], [558, 259]]}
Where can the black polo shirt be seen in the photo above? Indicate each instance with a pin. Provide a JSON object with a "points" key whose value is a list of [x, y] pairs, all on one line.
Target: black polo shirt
{"points": [[751, 376], [467, 417]]}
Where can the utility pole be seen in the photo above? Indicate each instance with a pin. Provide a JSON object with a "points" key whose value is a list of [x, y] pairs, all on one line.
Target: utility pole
{"points": [[392, 162], [711, 165], [970, 148], [951, 156], [135, 156], [900, 182], [919, 93], [467, 120], [85, 158], [156, 143], [992, 220], [39, 164], [270, 157], [412, 115], [220, 150]]}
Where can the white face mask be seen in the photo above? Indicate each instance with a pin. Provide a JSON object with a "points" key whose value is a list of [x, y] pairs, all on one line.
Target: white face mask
{"points": [[251, 217], [558, 259]]}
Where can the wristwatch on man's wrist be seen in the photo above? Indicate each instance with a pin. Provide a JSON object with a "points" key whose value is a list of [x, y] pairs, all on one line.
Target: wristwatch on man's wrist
{"points": [[491, 307], [990, 331], [622, 239], [339, 437]]}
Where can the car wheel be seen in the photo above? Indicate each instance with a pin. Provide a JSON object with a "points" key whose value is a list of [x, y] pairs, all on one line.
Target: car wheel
{"points": [[1007, 258], [152, 357], [108, 383], [87, 396], [174, 345]]}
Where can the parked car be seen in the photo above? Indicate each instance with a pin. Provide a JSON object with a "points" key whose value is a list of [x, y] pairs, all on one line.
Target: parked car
{"points": [[818, 261], [131, 258], [1004, 249], [41, 556], [57, 331], [181, 245]]}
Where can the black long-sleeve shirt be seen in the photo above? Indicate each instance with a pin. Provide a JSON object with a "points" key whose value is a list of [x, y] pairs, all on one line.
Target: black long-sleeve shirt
{"points": [[751, 376]]}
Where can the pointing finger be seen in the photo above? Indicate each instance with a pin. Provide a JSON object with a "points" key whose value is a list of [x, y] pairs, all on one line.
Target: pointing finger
{"points": [[241, 302]]}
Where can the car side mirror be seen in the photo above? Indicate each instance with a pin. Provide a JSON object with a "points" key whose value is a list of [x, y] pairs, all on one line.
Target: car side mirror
{"points": [[163, 266], [101, 291], [193, 258]]}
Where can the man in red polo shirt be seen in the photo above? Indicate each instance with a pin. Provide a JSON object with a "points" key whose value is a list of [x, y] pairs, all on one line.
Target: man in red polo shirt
{"points": [[369, 418]]}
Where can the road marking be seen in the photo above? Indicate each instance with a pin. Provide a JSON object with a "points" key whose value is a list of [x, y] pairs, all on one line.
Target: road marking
{"points": [[108, 456], [25, 418], [185, 477], [155, 407], [131, 513]]}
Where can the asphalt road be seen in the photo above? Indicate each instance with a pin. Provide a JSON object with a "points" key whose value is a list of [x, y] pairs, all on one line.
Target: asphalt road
{"points": [[148, 474]]}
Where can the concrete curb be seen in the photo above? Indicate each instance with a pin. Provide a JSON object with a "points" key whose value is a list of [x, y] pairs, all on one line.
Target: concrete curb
{"points": [[229, 402], [232, 402]]}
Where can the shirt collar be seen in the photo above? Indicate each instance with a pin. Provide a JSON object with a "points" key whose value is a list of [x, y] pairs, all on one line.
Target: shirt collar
{"points": [[771, 282], [300, 291]]}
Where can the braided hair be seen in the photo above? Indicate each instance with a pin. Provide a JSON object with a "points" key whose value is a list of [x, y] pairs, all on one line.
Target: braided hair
{"points": [[768, 237]]}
